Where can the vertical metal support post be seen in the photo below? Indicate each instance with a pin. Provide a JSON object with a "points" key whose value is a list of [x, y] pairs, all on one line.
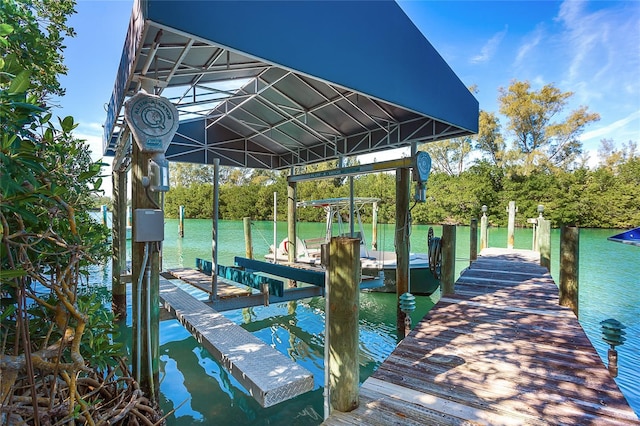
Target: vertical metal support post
{"points": [[291, 221], [214, 236], [275, 227], [473, 240], [447, 280], [352, 209], [511, 224], [146, 318], [248, 244], [544, 242], [569, 267], [484, 229], [403, 180], [325, 259], [374, 227], [181, 221], [344, 292], [119, 241]]}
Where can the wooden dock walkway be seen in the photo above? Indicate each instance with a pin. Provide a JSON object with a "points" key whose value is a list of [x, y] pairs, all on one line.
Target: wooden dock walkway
{"points": [[501, 351], [268, 376]]}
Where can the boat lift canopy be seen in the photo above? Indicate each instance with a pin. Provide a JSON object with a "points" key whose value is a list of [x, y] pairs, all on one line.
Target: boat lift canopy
{"points": [[276, 84]]}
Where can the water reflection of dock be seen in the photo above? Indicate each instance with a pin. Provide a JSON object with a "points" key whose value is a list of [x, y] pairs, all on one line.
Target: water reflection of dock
{"points": [[499, 351]]}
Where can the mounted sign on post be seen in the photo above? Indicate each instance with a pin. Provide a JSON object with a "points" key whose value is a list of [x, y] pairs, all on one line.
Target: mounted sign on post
{"points": [[153, 120]]}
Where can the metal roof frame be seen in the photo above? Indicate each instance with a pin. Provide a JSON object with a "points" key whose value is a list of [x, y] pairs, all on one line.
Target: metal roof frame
{"points": [[253, 95]]}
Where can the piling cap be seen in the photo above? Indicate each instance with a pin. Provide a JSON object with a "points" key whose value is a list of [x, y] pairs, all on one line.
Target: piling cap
{"points": [[613, 331]]}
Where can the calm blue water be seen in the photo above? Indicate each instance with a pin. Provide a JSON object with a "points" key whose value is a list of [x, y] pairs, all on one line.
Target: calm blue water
{"points": [[201, 392]]}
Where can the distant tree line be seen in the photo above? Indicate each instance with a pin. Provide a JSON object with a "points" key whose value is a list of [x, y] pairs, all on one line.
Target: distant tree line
{"points": [[536, 158]]}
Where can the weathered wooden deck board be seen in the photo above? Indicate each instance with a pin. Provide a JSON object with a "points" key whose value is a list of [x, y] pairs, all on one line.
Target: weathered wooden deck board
{"points": [[500, 351], [268, 375], [202, 281]]}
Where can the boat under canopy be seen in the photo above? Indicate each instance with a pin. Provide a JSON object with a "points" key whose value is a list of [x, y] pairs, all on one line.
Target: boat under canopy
{"points": [[373, 262]]}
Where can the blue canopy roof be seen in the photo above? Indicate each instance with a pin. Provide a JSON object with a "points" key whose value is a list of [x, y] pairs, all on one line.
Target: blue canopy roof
{"points": [[275, 84]]}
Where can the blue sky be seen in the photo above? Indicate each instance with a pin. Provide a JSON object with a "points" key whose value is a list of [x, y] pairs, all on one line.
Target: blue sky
{"points": [[589, 48]]}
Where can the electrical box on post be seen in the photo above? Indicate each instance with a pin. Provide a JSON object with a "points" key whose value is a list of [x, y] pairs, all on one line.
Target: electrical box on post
{"points": [[149, 225]]}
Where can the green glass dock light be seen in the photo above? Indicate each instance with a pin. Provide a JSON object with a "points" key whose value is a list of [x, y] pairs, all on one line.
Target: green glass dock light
{"points": [[612, 333], [407, 305]]}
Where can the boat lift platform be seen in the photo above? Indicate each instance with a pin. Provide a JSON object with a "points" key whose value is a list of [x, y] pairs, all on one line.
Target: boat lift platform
{"points": [[202, 281], [268, 376]]}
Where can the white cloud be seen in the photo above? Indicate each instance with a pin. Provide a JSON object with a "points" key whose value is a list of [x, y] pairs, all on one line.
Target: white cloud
{"points": [[609, 131], [601, 48], [529, 44], [490, 47]]}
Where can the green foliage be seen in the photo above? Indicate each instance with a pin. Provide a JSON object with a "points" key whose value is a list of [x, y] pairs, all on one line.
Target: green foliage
{"points": [[48, 240], [100, 333], [449, 156], [538, 140], [588, 198], [35, 32]]}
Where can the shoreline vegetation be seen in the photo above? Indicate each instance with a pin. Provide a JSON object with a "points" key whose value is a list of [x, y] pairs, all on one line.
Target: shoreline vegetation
{"points": [[599, 198]]}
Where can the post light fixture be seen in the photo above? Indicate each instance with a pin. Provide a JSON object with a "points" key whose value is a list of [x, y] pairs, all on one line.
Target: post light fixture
{"points": [[407, 303], [540, 209], [484, 209], [613, 333]]}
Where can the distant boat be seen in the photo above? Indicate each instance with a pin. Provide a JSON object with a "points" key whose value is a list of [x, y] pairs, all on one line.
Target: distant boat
{"points": [[374, 262], [631, 237]]}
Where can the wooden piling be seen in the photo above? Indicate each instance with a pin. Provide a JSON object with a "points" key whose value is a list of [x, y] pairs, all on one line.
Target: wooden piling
{"points": [[344, 293], [544, 242], [403, 181], [248, 244], [145, 363], [536, 229], [484, 230], [473, 240], [447, 279], [119, 248], [569, 267], [181, 222], [511, 224]]}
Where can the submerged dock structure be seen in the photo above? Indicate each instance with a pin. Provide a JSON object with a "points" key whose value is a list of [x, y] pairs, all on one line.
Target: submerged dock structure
{"points": [[499, 351], [269, 376]]}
